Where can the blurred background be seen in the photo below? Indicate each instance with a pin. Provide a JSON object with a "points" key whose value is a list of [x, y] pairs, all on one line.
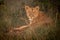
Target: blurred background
{"points": [[12, 14]]}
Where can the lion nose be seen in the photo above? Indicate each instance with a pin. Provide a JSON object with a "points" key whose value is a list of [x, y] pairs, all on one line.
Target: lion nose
{"points": [[34, 11]]}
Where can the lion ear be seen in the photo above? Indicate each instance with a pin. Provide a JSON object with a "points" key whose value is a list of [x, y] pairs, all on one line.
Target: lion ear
{"points": [[27, 7], [37, 7]]}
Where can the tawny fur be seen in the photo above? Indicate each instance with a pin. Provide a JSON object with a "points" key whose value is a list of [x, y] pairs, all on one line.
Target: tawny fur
{"points": [[35, 17]]}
